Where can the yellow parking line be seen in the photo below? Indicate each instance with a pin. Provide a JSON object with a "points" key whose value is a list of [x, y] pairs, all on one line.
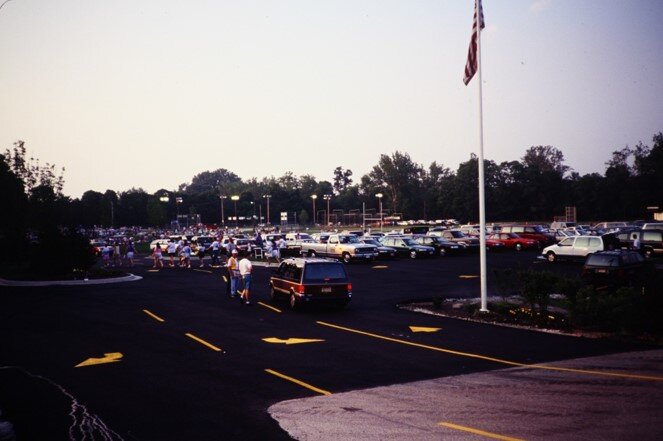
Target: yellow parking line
{"points": [[269, 307], [154, 316], [478, 432], [380, 267], [203, 271], [225, 279], [201, 341], [496, 360], [296, 381]]}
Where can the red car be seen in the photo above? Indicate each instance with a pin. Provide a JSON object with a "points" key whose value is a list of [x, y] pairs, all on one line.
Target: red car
{"points": [[512, 240]]}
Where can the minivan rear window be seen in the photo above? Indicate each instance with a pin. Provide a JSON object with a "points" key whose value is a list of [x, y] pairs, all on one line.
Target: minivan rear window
{"points": [[602, 260], [324, 272]]}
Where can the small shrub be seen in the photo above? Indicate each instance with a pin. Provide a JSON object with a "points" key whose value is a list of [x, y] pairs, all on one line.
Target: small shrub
{"points": [[536, 287]]}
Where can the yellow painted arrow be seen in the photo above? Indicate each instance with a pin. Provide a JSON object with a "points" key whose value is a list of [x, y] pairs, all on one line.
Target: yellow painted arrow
{"points": [[422, 329], [290, 341], [110, 357]]}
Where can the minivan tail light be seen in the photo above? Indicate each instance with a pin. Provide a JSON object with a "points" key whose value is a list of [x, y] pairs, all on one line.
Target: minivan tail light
{"points": [[300, 289], [349, 287]]}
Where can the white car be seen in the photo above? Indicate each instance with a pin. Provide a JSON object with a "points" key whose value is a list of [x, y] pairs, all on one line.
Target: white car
{"points": [[574, 248]]}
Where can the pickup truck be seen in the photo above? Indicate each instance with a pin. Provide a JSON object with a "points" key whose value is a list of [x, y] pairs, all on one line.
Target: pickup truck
{"points": [[345, 247]]}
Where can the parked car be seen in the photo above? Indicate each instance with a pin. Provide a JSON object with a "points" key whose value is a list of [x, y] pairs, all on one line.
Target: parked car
{"points": [[653, 226], [575, 248], [441, 246], [405, 246], [515, 241], [383, 251], [306, 280], [97, 246], [535, 232], [470, 243], [651, 241], [620, 267], [163, 244]]}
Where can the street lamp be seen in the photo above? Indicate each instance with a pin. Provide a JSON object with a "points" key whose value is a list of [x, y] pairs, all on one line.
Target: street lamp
{"points": [[379, 196], [327, 198], [268, 197], [178, 201], [314, 197], [223, 218], [235, 198]]}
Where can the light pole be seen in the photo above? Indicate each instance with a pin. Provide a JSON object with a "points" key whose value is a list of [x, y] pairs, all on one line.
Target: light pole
{"points": [[253, 206], [223, 218], [314, 197], [379, 196], [268, 197], [327, 198], [235, 198]]}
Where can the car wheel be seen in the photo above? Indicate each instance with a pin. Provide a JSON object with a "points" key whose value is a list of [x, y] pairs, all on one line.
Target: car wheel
{"points": [[413, 254], [519, 247], [293, 301], [442, 252], [346, 258], [551, 257], [312, 253], [648, 253]]}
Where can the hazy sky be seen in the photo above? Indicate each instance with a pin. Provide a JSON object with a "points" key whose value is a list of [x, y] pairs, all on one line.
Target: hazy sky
{"points": [[148, 93]]}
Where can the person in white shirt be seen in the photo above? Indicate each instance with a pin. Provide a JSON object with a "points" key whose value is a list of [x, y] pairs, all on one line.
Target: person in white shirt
{"points": [[172, 251], [245, 268], [215, 252]]}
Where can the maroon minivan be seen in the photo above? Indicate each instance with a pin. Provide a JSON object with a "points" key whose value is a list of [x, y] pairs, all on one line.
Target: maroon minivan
{"points": [[306, 280]]}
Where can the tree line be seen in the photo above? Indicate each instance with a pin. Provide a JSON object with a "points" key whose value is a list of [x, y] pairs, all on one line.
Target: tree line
{"points": [[535, 188]]}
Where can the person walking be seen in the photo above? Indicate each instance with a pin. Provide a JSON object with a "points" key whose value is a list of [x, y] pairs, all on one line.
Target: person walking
{"points": [[233, 271], [201, 255], [245, 268], [172, 252], [185, 255], [157, 257], [117, 254], [130, 252], [215, 252]]}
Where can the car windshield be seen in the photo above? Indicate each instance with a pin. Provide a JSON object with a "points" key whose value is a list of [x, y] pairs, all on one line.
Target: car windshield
{"points": [[348, 239], [324, 272], [371, 242], [409, 241], [602, 260], [457, 234]]}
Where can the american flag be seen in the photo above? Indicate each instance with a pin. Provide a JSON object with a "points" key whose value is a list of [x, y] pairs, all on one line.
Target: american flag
{"points": [[471, 66]]}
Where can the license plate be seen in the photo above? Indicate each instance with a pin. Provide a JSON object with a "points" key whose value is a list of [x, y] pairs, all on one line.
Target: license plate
{"points": [[326, 289], [601, 270]]}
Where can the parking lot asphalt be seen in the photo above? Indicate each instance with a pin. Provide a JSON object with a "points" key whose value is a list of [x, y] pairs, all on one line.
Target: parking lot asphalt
{"points": [[171, 357]]}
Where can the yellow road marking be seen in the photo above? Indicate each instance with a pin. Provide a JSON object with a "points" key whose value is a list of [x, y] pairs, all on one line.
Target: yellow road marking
{"points": [[497, 360], [478, 432], [154, 316], [422, 329], [203, 271], [201, 341], [380, 267], [468, 276], [153, 271], [110, 357], [269, 307], [225, 279], [291, 341], [296, 381]]}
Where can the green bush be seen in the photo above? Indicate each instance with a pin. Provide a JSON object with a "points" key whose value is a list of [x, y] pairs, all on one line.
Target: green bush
{"points": [[58, 254], [536, 287]]}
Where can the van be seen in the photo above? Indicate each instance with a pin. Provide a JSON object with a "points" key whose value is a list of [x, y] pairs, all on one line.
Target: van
{"points": [[575, 248]]}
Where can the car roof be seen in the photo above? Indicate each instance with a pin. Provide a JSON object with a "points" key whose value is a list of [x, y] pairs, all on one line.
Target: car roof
{"points": [[301, 261]]}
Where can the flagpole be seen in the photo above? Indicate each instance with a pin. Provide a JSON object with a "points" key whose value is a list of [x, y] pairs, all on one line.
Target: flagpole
{"points": [[482, 185]]}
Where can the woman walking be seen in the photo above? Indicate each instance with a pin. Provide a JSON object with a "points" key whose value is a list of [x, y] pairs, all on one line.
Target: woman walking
{"points": [[156, 257]]}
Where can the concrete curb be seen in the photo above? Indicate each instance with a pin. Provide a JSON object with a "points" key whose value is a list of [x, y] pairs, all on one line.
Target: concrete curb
{"points": [[129, 278]]}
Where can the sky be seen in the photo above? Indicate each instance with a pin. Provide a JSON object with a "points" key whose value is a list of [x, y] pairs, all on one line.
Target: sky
{"points": [[147, 94]]}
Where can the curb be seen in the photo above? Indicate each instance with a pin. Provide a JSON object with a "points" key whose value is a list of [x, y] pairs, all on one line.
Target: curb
{"points": [[129, 278]]}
